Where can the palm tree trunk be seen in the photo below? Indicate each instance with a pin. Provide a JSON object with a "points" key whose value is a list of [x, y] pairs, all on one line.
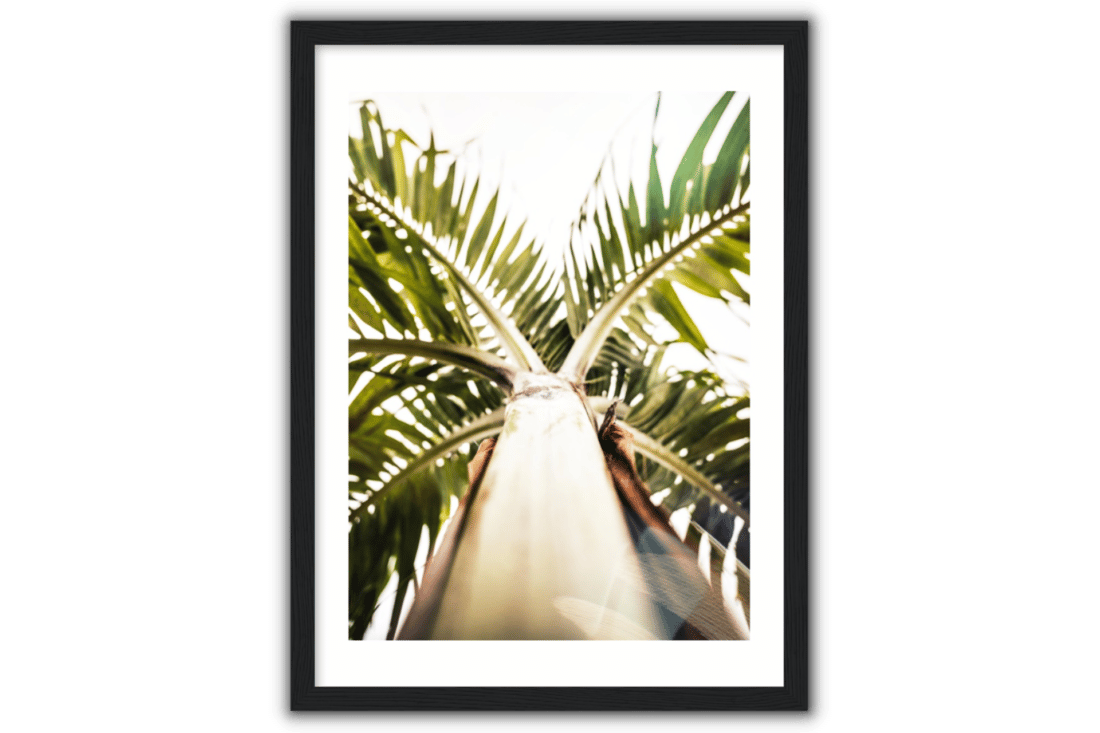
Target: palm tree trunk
{"points": [[544, 551], [551, 544]]}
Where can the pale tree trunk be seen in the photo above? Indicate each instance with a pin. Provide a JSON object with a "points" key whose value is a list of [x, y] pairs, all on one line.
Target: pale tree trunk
{"points": [[545, 552], [548, 544]]}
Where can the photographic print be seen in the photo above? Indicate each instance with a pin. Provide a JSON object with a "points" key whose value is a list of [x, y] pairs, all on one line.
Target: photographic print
{"points": [[548, 365], [548, 426]]}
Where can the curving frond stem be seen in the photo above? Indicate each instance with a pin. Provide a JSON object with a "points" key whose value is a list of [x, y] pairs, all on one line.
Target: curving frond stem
{"points": [[480, 362], [515, 345], [484, 427], [595, 333], [656, 451]]}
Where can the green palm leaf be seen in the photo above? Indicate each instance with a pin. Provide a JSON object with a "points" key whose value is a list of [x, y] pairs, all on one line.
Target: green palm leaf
{"points": [[699, 239], [433, 236]]}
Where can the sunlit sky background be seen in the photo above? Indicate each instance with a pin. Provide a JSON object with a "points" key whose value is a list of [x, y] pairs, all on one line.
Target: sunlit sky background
{"points": [[543, 151]]}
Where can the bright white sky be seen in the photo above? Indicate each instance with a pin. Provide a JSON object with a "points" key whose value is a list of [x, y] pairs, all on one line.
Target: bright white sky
{"points": [[543, 151]]}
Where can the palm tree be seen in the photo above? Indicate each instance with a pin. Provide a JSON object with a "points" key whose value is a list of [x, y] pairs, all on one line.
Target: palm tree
{"points": [[463, 334]]}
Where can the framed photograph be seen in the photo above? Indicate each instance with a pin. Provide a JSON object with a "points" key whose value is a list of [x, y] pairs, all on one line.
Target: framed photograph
{"points": [[522, 354]]}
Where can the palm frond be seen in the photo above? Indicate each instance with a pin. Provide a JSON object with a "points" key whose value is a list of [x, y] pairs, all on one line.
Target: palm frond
{"points": [[404, 410], [479, 362], [692, 438], [481, 267], [621, 264], [412, 427]]}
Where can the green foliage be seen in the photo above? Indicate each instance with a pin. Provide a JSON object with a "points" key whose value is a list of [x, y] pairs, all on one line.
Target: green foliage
{"points": [[698, 238], [694, 416], [429, 289]]}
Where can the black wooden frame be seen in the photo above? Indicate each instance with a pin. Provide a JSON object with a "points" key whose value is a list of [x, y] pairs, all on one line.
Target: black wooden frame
{"points": [[304, 37]]}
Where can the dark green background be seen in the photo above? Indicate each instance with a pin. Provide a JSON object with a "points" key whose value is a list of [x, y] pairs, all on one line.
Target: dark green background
{"points": [[134, 416]]}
